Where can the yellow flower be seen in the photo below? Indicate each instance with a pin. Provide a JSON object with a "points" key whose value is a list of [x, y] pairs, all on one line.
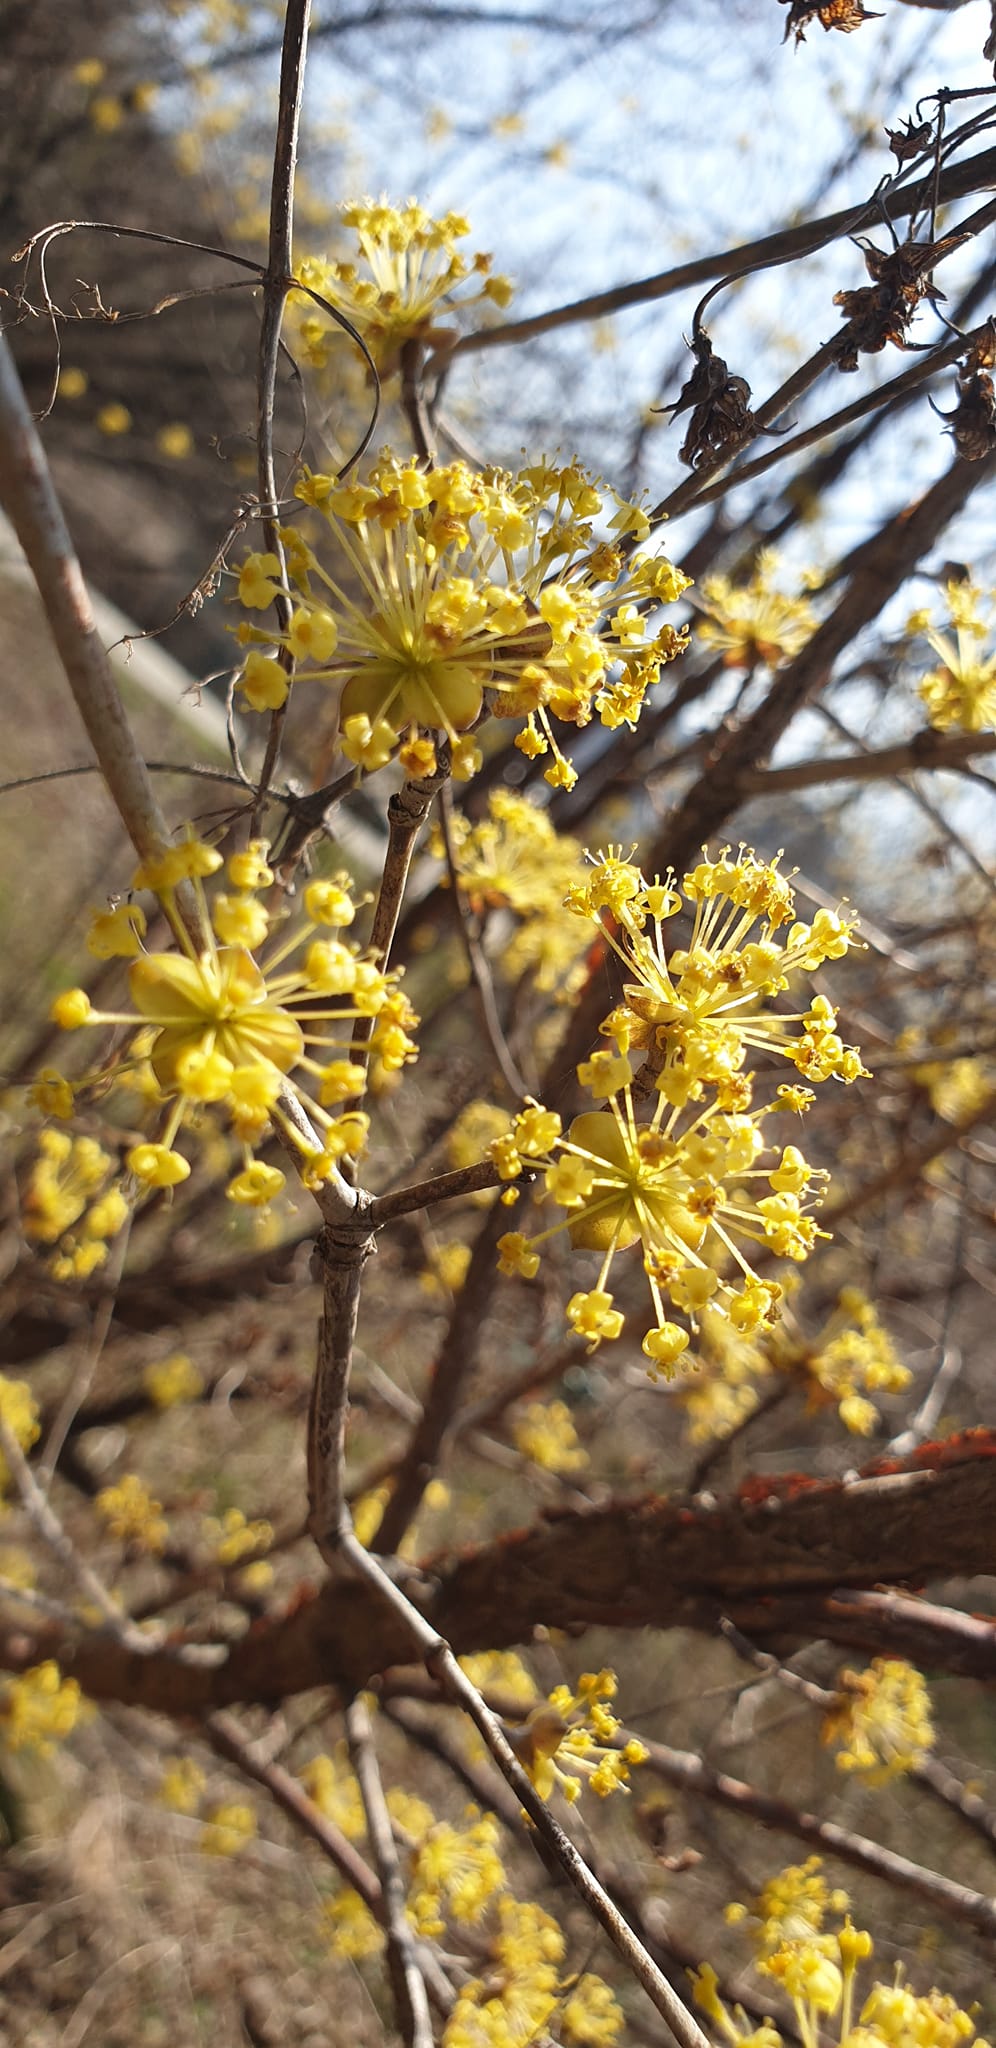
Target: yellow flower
{"points": [[39, 1709], [175, 441], [234, 1538], [455, 1874], [409, 270], [181, 1785], [217, 1026], [113, 419], [173, 1380], [963, 691], [881, 1723], [19, 1412], [456, 589], [753, 622], [568, 1739], [545, 1433], [132, 1516], [227, 1829]]}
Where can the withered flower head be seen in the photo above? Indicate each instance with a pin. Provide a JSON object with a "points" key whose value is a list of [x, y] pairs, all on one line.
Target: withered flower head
{"points": [[721, 416], [843, 14]]}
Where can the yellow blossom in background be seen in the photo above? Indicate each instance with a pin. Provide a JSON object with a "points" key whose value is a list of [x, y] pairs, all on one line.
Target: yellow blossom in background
{"points": [[447, 1269], [106, 114], [349, 1927], [499, 1671], [962, 692], [545, 1433], [590, 2016], [331, 1786], [233, 1538], [752, 623], [516, 860], [89, 71], [182, 1785], [467, 1143], [72, 382], [39, 1709], [19, 1414], [568, 1741], [227, 1829], [172, 1380], [113, 419], [175, 441], [455, 1873], [408, 272], [215, 1026], [853, 1359], [881, 1723], [68, 1202], [958, 1089], [450, 590], [509, 2005], [132, 1516]]}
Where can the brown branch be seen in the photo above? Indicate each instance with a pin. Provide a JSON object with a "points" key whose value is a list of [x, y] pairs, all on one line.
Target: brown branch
{"points": [[784, 1558], [688, 1771], [275, 283], [443, 1187], [28, 496], [926, 749], [344, 1252], [443, 1666], [411, 2006], [781, 247]]}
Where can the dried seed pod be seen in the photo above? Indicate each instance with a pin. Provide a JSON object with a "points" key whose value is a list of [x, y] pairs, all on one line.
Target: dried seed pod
{"points": [[720, 404], [843, 14], [973, 423]]}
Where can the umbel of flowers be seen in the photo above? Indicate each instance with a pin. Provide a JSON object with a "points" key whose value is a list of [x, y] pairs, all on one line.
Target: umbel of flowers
{"points": [[447, 593], [697, 1184], [260, 1015], [407, 273]]}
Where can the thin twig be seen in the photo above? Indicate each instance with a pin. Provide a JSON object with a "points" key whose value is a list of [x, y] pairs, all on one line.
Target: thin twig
{"points": [[479, 970], [943, 1894], [279, 266], [52, 1533], [28, 496], [82, 1379], [343, 1252], [444, 1187], [411, 2006], [442, 1665]]}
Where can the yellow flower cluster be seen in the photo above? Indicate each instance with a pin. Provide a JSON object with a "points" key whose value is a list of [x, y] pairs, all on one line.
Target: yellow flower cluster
{"points": [[172, 1380], [39, 1709], [455, 592], [569, 1740], [68, 1202], [881, 1722], [515, 859], [545, 1433], [817, 1969], [233, 1538], [19, 1412], [455, 1874], [852, 1358], [228, 1828], [962, 692], [753, 623], [686, 1185], [181, 1785], [409, 270], [132, 1516], [855, 1357], [218, 1027], [518, 1994]]}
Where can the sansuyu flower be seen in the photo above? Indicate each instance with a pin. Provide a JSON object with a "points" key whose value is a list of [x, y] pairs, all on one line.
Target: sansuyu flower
{"points": [[449, 592], [215, 1026]]}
